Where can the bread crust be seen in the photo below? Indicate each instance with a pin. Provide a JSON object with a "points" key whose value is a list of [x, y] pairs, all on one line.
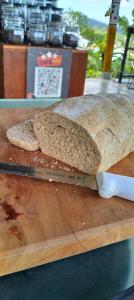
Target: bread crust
{"points": [[101, 125]]}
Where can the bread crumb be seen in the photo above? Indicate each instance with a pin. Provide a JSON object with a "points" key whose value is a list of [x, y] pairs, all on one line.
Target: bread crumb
{"points": [[34, 158], [10, 158], [67, 169], [38, 160]]}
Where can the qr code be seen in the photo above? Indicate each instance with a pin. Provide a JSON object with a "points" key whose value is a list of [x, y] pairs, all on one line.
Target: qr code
{"points": [[48, 82]]}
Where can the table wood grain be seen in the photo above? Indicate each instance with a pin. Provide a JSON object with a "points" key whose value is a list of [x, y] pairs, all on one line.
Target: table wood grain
{"points": [[44, 221]]}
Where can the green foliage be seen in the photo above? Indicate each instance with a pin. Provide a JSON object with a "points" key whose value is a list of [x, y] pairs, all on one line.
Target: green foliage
{"points": [[123, 23], [97, 40], [94, 64], [88, 33], [133, 15], [76, 18]]}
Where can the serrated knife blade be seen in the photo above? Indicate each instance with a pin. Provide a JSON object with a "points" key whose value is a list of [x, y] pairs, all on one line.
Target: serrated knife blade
{"points": [[107, 184], [49, 175]]}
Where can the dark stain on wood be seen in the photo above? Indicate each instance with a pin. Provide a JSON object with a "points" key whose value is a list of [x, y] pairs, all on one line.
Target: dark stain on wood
{"points": [[14, 231], [9, 211]]}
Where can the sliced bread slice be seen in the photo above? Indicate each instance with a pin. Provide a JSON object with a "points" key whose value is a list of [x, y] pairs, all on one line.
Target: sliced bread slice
{"points": [[23, 136]]}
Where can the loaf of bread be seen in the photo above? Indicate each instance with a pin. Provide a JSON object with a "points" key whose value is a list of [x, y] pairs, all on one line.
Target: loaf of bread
{"points": [[90, 133], [23, 136]]}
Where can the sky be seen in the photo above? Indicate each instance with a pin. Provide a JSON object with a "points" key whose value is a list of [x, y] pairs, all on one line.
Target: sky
{"points": [[96, 9]]}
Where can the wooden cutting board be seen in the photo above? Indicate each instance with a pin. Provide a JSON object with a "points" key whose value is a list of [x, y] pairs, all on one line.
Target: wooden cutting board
{"points": [[41, 222]]}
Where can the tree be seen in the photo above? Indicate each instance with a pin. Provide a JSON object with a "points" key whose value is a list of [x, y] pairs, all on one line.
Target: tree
{"points": [[76, 18], [96, 45], [123, 23], [133, 15]]}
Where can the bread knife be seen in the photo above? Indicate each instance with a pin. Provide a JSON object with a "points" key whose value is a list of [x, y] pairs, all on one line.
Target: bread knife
{"points": [[107, 184]]}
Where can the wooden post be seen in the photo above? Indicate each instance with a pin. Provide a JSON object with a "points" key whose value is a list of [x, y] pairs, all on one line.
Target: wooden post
{"points": [[111, 34]]}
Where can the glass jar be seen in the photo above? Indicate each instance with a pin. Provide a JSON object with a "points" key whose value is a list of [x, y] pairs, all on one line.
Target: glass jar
{"points": [[48, 13], [52, 2], [5, 1], [15, 36], [58, 11], [41, 3], [6, 8], [71, 36], [30, 2], [55, 34], [35, 15], [13, 31], [36, 34], [12, 11], [22, 2]]}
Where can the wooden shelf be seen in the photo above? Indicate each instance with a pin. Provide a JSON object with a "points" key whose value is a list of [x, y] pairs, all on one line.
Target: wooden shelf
{"points": [[13, 64]]}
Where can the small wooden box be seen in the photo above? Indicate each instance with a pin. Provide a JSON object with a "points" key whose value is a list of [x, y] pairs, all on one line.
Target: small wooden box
{"points": [[13, 64]]}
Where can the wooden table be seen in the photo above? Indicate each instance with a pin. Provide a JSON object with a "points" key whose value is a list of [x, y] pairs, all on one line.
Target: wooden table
{"points": [[13, 65], [44, 221]]}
